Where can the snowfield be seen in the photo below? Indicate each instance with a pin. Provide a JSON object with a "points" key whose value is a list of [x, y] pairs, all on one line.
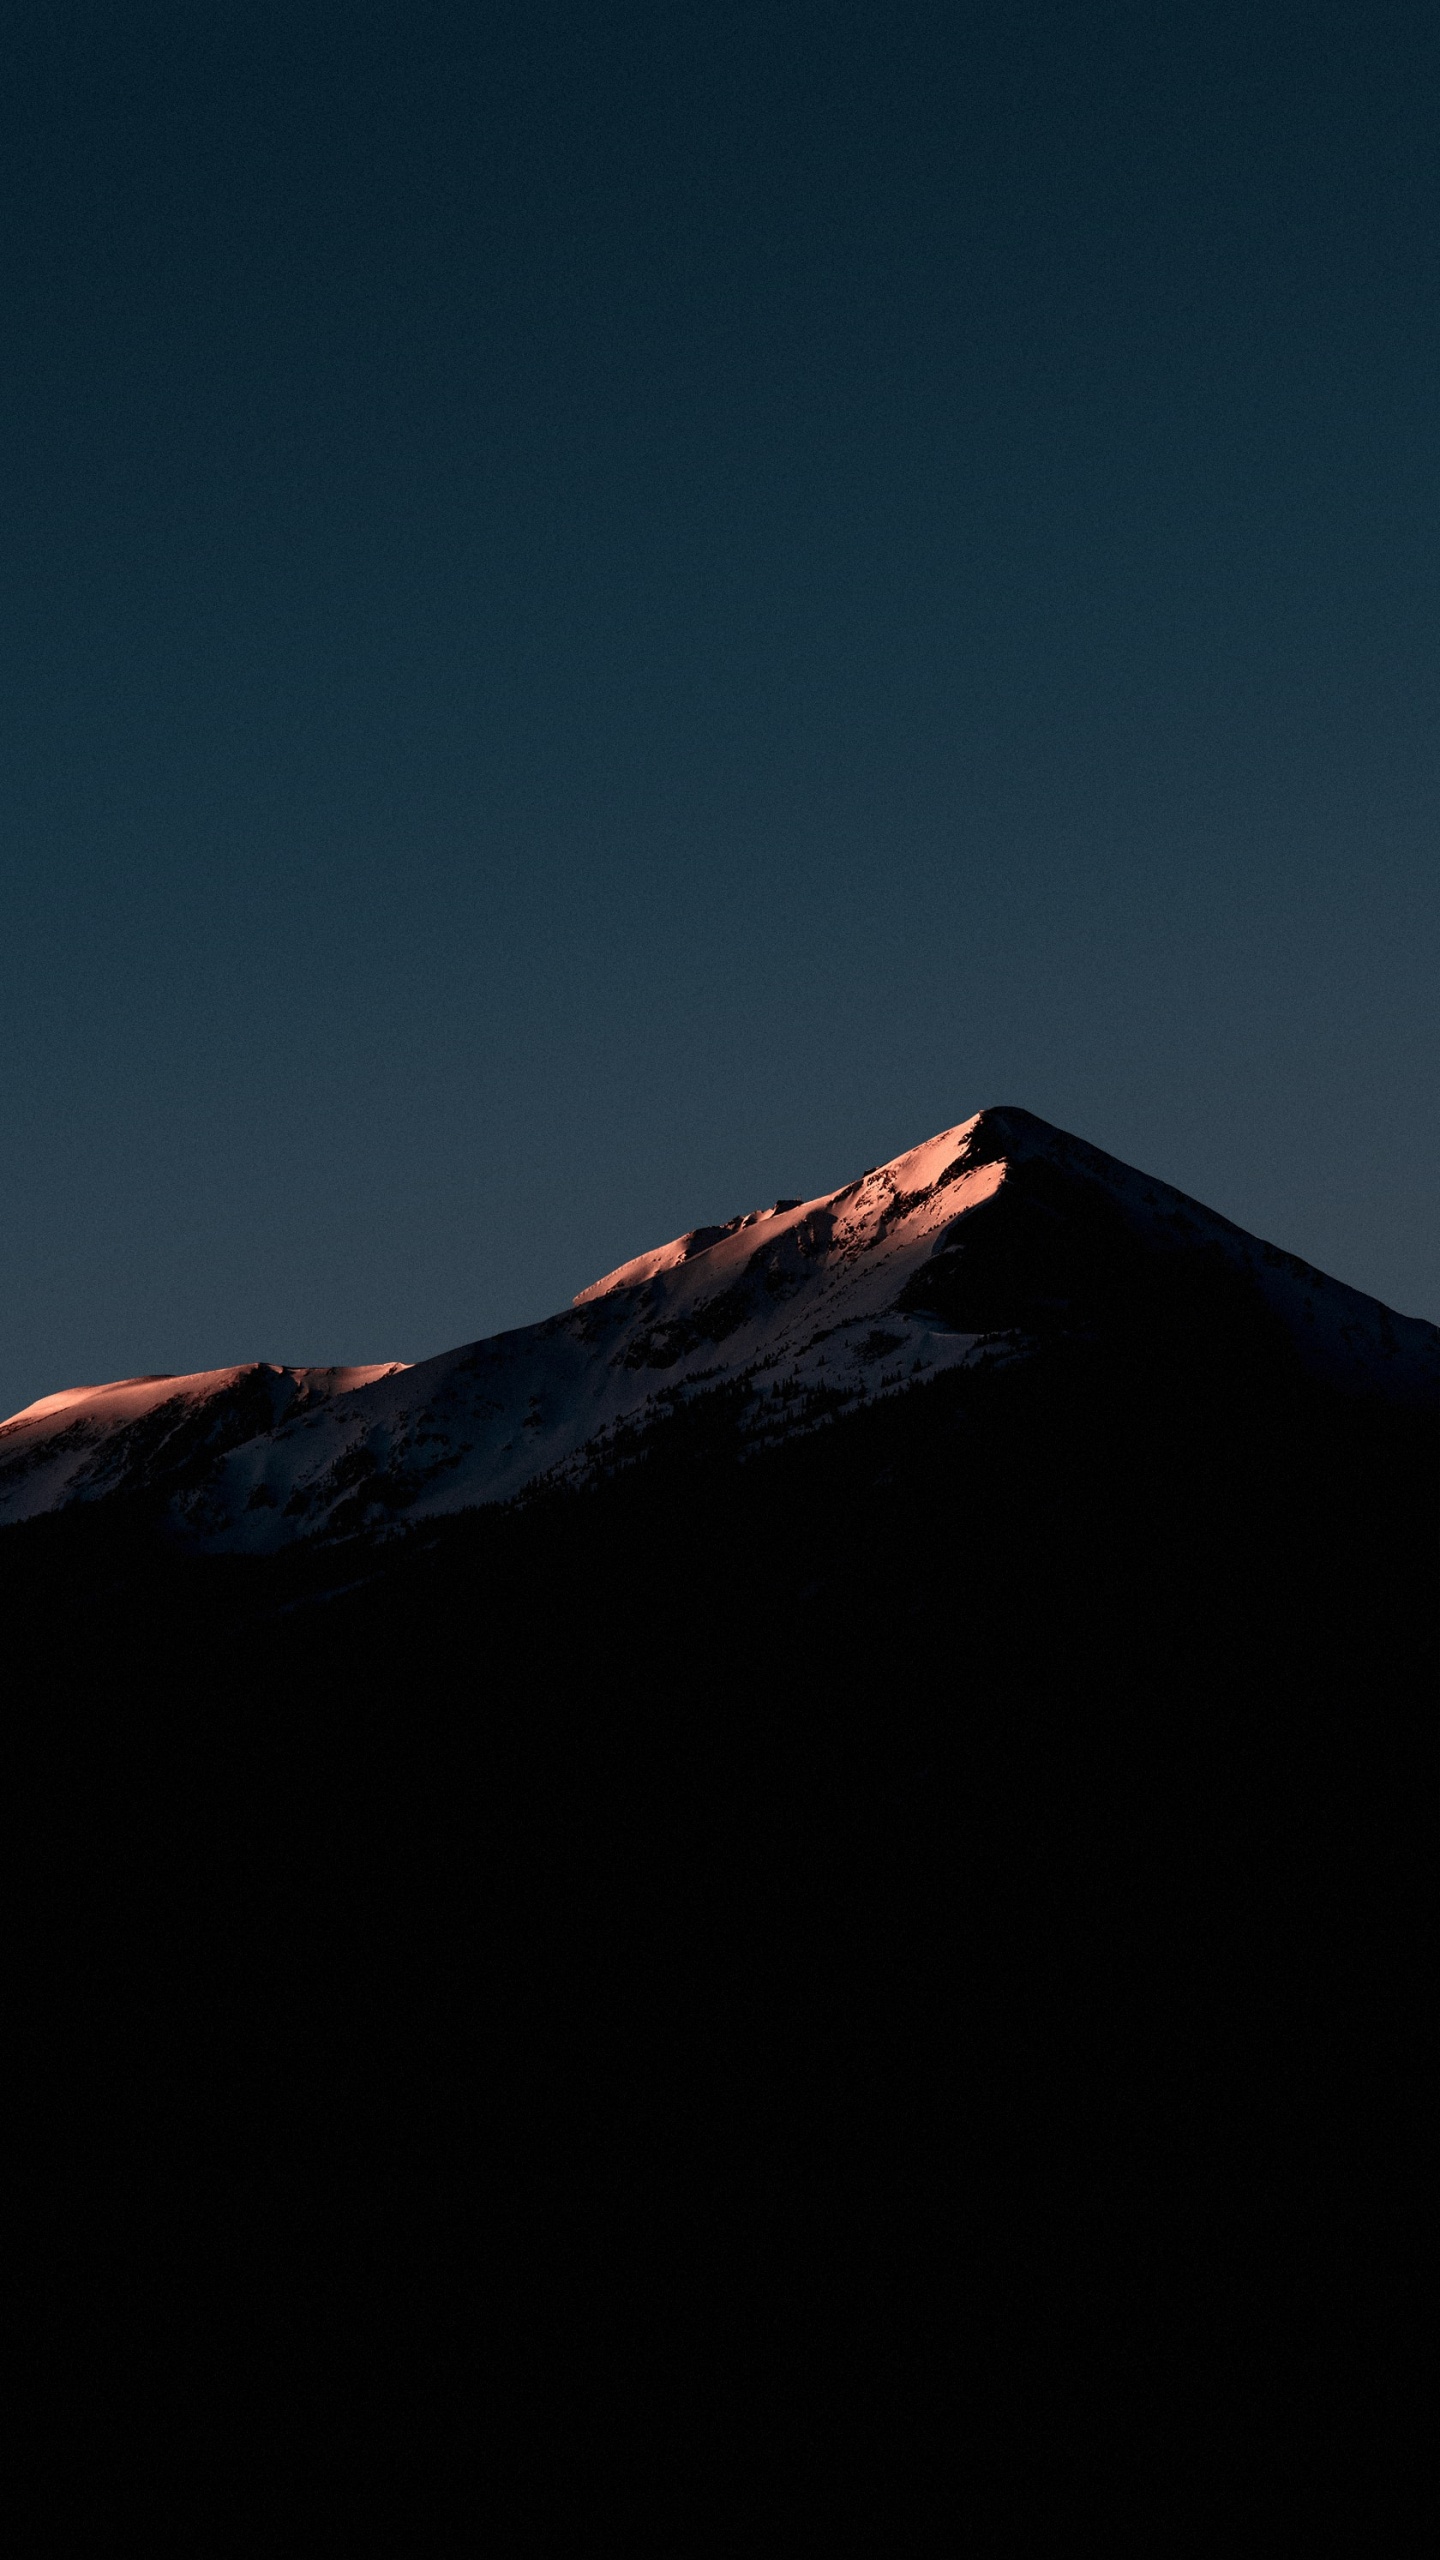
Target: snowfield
{"points": [[801, 1311]]}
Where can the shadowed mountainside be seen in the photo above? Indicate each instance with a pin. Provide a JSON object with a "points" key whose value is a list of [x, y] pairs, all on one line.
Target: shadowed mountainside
{"points": [[938, 1900], [974, 1250]]}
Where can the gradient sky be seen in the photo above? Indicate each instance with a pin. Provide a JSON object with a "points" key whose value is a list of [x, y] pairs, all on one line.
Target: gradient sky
{"points": [[609, 611]]}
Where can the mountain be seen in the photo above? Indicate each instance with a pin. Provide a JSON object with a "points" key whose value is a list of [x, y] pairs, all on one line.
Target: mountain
{"points": [[906, 1853], [982, 1247]]}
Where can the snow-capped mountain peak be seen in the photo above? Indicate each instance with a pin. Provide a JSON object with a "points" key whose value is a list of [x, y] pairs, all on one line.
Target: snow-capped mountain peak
{"points": [[997, 1235]]}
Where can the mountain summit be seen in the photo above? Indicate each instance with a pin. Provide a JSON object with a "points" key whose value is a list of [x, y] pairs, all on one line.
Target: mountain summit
{"points": [[950, 1704], [998, 1239]]}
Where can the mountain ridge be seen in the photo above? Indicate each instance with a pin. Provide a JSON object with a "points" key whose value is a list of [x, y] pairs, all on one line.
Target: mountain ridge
{"points": [[995, 1236]]}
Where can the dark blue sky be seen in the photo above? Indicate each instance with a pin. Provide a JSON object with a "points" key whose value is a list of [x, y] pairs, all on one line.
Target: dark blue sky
{"points": [[610, 611]]}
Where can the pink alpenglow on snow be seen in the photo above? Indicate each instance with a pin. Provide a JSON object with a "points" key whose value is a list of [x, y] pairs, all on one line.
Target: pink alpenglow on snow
{"points": [[805, 1311], [86, 1442]]}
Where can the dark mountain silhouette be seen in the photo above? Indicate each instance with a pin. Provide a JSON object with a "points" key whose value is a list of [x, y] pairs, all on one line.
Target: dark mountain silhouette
{"points": [[925, 1886]]}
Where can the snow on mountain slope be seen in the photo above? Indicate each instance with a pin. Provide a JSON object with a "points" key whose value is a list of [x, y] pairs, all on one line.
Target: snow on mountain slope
{"points": [[786, 1301], [969, 1248], [138, 1433]]}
